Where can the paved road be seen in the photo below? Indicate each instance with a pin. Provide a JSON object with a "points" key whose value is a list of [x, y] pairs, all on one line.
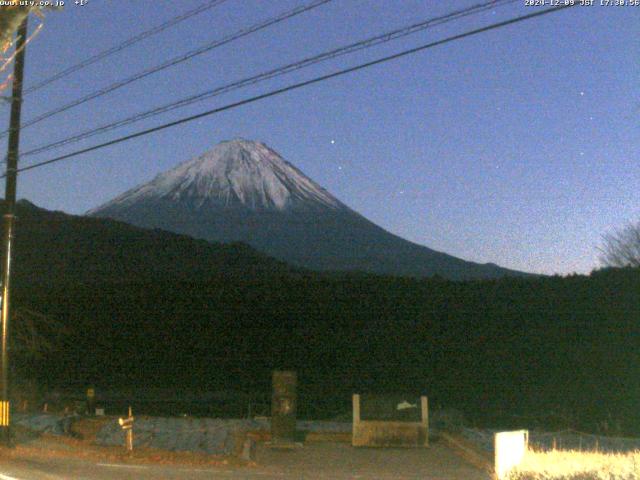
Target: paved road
{"points": [[321, 461], [82, 470]]}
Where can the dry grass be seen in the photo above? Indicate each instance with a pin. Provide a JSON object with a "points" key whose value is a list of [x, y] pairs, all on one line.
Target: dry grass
{"points": [[577, 465]]}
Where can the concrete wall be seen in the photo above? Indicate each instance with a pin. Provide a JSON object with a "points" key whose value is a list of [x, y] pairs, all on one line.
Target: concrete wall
{"points": [[375, 433]]}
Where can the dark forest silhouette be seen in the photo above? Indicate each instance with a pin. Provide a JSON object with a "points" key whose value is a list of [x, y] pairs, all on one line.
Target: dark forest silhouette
{"points": [[149, 308]]}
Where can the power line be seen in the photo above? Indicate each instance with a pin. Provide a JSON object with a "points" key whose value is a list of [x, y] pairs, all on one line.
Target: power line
{"points": [[276, 72], [126, 44], [175, 61], [298, 85], [369, 42]]}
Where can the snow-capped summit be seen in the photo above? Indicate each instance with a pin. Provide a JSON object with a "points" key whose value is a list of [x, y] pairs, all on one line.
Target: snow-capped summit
{"points": [[244, 191], [236, 173]]}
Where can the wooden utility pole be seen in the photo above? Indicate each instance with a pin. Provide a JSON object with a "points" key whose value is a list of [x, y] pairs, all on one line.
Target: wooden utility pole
{"points": [[130, 432], [127, 426], [9, 218]]}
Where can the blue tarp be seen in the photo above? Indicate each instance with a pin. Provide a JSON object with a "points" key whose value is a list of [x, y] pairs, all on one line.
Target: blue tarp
{"points": [[206, 435], [45, 422]]}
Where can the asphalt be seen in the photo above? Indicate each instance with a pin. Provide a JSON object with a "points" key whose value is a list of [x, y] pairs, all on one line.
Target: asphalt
{"points": [[324, 461]]}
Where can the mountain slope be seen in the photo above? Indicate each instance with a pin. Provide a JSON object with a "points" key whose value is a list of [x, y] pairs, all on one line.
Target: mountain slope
{"points": [[56, 247], [244, 191], [236, 175]]}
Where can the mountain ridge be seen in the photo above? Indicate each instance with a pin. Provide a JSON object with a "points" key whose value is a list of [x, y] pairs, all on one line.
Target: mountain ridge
{"points": [[244, 191], [236, 172], [58, 247]]}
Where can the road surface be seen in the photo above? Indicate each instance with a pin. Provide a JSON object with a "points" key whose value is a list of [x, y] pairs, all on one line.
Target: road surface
{"points": [[323, 461]]}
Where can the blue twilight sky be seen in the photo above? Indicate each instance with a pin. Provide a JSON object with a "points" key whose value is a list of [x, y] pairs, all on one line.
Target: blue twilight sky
{"points": [[517, 146]]}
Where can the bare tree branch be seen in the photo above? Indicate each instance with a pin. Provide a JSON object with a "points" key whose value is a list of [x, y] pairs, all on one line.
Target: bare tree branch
{"points": [[622, 247], [10, 19]]}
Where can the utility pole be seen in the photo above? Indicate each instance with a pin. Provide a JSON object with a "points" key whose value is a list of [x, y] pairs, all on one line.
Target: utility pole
{"points": [[9, 217]]}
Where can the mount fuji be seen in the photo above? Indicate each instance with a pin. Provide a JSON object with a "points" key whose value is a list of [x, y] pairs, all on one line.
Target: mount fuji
{"points": [[244, 191]]}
